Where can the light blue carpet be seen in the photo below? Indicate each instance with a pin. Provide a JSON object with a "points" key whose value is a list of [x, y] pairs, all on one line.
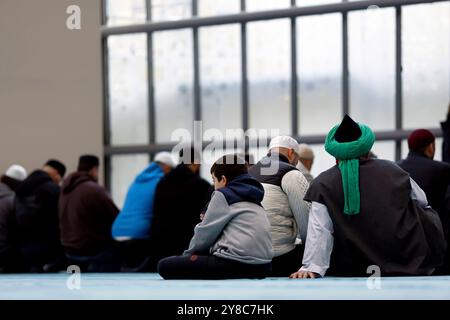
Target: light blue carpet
{"points": [[152, 287]]}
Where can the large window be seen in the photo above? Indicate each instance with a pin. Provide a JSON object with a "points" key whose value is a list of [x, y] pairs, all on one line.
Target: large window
{"points": [[297, 67]]}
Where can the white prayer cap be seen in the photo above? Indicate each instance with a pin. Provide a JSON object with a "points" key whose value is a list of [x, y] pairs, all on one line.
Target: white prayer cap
{"points": [[306, 152], [165, 158], [16, 172], [284, 142]]}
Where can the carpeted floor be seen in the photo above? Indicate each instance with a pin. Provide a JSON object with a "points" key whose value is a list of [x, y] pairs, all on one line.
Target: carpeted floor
{"points": [[152, 287]]}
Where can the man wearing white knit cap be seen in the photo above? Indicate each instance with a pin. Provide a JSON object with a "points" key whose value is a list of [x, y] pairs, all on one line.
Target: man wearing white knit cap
{"points": [[16, 172], [8, 185], [284, 189]]}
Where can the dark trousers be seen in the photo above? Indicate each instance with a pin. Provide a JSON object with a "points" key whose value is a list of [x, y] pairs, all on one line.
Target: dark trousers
{"points": [[107, 260], [136, 257], [11, 262], [288, 263], [41, 257], [210, 268]]}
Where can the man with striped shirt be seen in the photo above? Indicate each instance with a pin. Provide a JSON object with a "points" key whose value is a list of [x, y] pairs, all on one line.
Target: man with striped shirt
{"points": [[284, 189]]}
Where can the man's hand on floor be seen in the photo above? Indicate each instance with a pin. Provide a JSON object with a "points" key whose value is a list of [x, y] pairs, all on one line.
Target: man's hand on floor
{"points": [[304, 275]]}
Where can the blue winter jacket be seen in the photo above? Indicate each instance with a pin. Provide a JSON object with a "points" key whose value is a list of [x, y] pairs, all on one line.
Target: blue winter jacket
{"points": [[135, 218]]}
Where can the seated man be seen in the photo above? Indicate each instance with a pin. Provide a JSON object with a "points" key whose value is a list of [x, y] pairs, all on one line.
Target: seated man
{"points": [[284, 189], [36, 206], [433, 177], [180, 198], [132, 226], [233, 240], [86, 214], [306, 161], [9, 182], [368, 212]]}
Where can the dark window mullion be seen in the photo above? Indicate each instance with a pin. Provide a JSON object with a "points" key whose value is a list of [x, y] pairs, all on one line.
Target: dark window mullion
{"points": [[345, 66], [398, 80], [244, 84], [197, 88], [150, 88], [151, 92], [244, 79], [294, 76], [106, 107]]}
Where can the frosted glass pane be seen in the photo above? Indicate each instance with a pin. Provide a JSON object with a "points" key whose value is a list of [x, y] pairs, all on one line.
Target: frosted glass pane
{"points": [[426, 64], [220, 77], [120, 12], [164, 10], [173, 74], [208, 159], [437, 155], [301, 3], [384, 150], [322, 160], [319, 60], [269, 73], [128, 92], [258, 153], [372, 67], [260, 5], [218, 7], [124, 169]]}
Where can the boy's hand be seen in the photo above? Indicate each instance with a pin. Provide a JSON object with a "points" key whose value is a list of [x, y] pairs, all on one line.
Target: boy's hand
{"points": [[304, 275], [202, 216]]}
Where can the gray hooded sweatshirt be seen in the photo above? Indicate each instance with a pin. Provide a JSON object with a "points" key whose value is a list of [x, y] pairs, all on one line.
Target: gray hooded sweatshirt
{"points": [[235, 225]]}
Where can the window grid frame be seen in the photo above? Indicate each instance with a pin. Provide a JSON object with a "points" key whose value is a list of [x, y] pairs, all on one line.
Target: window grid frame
{"points": [[243, 18]]}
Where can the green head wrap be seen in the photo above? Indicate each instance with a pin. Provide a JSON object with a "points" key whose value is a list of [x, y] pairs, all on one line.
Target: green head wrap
{"points": [[348, 154]]}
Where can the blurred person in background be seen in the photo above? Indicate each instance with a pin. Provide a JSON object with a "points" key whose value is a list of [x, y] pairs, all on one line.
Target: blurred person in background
{"points": [[306, 160], [36, 206], [86, 213], [132, 226], [9, 182]]}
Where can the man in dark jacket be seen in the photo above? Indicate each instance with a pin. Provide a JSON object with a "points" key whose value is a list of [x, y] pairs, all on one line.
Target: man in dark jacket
{"points": [[36, 207], [180, 198], [432, 176], [9, 182], [86, 214]]}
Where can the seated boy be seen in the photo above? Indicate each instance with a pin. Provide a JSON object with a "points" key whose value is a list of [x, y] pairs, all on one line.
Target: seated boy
{"points": [[233, 240]]}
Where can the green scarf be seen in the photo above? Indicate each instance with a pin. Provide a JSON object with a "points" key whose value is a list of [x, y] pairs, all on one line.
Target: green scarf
{"points": [[348, 154]]}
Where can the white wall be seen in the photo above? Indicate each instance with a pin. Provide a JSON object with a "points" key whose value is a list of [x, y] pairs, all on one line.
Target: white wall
{"points": [[50, 83]]}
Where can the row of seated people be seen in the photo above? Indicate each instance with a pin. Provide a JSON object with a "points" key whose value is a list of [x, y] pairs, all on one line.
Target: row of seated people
{"points": [[261, 220]]}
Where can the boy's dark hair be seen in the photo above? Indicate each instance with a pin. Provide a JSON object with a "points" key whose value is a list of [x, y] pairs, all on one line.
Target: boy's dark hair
{"points": [[230, 166]]}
